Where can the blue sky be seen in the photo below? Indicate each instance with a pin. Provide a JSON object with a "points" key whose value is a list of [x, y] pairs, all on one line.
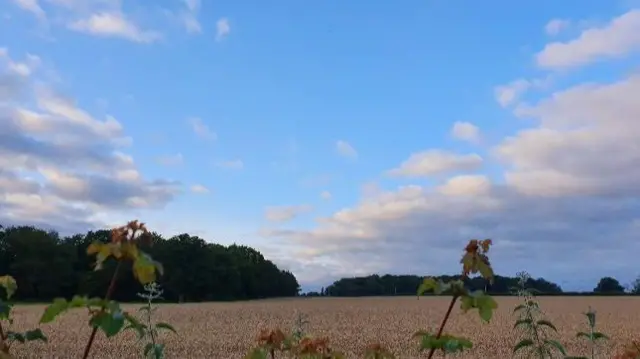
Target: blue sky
{"points": [[279, 125]]}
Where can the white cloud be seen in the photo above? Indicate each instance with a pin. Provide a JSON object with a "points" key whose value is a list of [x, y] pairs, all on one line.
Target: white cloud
{"points": [[466, 185], [199, 189], [32, 6], [171, 160], [326, 195], [201, 130], [285, 213], [190, 16], [570, 184], [231, 164], [223, 28], [114, 25], [434, 162], [508, 94], [61, 166], [466, 131], [24, 68], [345, 149], [556, 26], [619, 37]]}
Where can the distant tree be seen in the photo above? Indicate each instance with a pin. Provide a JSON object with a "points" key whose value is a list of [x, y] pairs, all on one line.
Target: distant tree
{"points": [[48, 266], [608, 285], [634, 287]]}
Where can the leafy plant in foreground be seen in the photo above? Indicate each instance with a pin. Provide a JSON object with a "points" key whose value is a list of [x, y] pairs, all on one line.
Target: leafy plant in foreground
{"points": [[152, 349], [474, 260], [592, 336], [106, 314], [534, 328], [8, 337]]}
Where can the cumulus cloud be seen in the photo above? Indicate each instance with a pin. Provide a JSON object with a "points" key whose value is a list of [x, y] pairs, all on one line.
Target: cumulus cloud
{"points": [[615, 39], [285, 213], [61, 165], [567, 195], [435, 162], [466, 131], [345, 149]]}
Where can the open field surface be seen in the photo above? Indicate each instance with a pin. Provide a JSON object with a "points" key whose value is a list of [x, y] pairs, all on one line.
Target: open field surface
{"points": [[228, 330]]}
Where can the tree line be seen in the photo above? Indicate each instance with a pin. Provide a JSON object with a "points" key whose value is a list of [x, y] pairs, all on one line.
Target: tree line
{"points": [[47, 265], [388, 285]]}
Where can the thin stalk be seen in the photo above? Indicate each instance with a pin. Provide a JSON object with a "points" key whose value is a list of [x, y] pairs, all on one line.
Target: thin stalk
{"points": [[4, 347], [112, 286], [444, 322]]}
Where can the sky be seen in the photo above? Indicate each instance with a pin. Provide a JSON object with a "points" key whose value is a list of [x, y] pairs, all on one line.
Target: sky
{"points": [[339, 138]]}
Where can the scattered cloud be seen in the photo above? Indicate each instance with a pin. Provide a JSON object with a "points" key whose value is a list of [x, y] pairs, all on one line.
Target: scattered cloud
{"points": [[201, 130], [61, 166], [171, 160], [223, 28], [190, 16], [285, 213], [345, 149], [199, 189], [326, 195], [466, 131], [511, 93], [568, 178], [114, 25], [436, 162], [556, 26], [31, 6], [23, 68], [231, 164], [613, 40]]}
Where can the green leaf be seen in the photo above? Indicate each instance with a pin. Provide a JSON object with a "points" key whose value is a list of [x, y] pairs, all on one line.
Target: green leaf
{"points": [[5, 310], [546, 323], [555, 344], [9, 284], [166, 326], [485, 271], [257, 353], [522, 344], [598, 335], [428, 284], [35, 334], [147, 349], [109, 323], [467, 303], [15, 336], [158, 351], [54, 309]]}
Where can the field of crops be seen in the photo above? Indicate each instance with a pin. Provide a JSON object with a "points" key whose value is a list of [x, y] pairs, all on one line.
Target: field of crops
{"points": [[228, 330]]}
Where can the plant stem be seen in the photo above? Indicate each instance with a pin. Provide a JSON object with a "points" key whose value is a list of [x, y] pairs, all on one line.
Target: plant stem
{"points": [[112, 286], [4, 347], [444, 321]]}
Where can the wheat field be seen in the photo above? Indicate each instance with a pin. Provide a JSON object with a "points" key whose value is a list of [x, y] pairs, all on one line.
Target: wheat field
{"points": [[228, 330]]}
